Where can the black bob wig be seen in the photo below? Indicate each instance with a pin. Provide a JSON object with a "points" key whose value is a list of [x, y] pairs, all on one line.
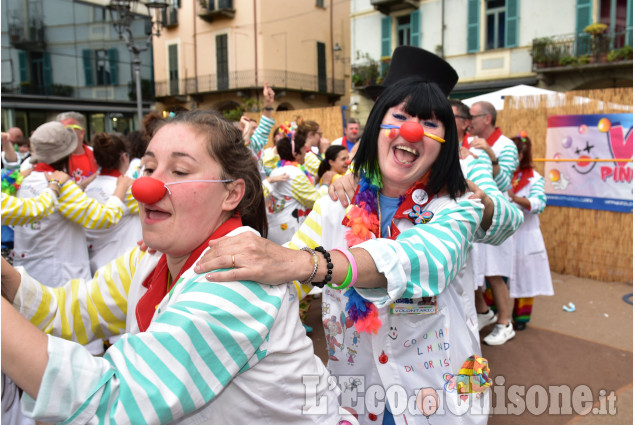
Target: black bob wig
{"points": [[425, 101]]}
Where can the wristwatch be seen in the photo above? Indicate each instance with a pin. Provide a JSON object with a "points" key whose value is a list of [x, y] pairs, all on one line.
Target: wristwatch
{"points": [[495, 161]]}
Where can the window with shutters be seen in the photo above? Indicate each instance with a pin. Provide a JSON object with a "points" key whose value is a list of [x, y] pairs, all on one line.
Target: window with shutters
{"points": [[101, 67], [173, 68], [403, 30], [222, 62], [615, 14], [321, 66], [495, 24]]}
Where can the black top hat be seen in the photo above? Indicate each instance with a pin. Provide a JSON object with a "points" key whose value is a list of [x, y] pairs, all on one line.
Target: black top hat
{"points": [[409, 61]]}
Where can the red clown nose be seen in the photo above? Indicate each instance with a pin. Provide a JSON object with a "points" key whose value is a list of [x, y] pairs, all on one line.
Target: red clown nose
{"points": [[354, 131], [148, 190], [411, 131]]}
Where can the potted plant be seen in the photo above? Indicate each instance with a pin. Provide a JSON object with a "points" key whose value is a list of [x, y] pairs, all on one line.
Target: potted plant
{"points": [[623, 53], [567, 60], [598, 42], [584, 59], [366, 71], [539, 51]]}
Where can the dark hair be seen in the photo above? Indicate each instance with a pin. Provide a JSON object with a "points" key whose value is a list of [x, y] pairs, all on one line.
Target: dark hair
{"points": [[225, 145], [524, 147], [108, 148], [62, 164], [283, 146], [425, 101], [150, 124], [331, 154], [137, 144], [462, 108], [352, 121]]}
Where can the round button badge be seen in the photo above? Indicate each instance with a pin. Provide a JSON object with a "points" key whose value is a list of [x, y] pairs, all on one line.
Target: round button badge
{"points": [[420, 196]]}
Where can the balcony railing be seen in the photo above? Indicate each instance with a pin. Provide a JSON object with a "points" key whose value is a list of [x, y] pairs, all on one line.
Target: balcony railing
{"points": [[30, 38], [581, 49], [211, 9], [246, 80], [170, 17], [389, 6]]}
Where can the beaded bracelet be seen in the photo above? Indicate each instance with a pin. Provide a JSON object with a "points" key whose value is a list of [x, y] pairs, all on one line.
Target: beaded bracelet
{"points": [[352, 269], [56, 182], [329, 267], [316, 260]]}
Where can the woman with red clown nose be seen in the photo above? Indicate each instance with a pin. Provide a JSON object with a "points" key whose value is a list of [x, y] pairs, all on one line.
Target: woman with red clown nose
{"points": [[397, 327], [190, 351]]}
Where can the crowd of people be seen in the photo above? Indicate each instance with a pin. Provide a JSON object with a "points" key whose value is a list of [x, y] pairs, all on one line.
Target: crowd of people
{"points": [[160, 276]]}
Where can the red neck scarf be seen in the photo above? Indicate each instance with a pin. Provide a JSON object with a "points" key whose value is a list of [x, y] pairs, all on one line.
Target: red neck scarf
{"points": [[157, 280], [110, 172], [521, 178], [43, 168], [465, 143], [494, 136]]}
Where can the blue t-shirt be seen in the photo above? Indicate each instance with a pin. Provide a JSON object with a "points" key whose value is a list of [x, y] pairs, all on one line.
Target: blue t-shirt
{"points": [[388, 207]]}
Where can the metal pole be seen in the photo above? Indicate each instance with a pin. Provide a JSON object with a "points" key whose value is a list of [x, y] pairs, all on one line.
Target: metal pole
{"points": [[137, 70]]}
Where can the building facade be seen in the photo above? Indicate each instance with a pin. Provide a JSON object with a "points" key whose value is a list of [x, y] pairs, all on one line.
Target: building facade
{"points": [[61, 55], [494, 44], [219, 53]]}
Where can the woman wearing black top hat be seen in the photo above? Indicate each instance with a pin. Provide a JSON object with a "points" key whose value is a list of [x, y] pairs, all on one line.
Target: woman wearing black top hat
{"points": [[401, 329]]}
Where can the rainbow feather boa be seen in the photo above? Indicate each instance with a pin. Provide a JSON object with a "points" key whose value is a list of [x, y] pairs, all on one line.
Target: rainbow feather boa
{"points": [[284, 162], [11, 180], [363, 219]]}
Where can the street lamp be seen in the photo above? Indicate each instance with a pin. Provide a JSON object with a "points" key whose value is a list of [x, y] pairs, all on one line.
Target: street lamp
{"points": [[122, 15]]}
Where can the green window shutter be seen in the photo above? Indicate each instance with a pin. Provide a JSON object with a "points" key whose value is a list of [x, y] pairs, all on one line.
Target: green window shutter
{"points": [[386, 26], [24, 66], [113, 62], [386, 45], [47, 71], [511, 23], [629, 22], [415, 23], [321, 66], [583, 17], [473, 30], [87, 55]]}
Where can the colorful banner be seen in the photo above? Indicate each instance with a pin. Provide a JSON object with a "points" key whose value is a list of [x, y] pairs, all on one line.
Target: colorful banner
{"points": [[586, 183]]}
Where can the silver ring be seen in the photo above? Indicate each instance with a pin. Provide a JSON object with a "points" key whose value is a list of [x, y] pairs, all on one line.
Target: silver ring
{"points": [[233, 262]]}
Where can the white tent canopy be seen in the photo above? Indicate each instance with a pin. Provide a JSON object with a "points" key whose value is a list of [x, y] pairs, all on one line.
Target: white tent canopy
{"points": [[497, 98]]}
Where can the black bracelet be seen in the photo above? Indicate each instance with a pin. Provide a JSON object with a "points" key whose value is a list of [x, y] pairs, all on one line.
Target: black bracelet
{"points": [[329, 267]]}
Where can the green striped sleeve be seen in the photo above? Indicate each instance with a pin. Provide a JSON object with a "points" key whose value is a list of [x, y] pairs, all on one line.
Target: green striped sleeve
{"points": [[206, 335], [424, 259], [537, 196], [508, 162]]}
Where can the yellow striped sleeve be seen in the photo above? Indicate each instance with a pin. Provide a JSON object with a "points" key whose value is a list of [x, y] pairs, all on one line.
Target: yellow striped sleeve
{"points": [[312, 163], [76, 206], [82, 310], [304, 191], [19, 211], [131, 203]]}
